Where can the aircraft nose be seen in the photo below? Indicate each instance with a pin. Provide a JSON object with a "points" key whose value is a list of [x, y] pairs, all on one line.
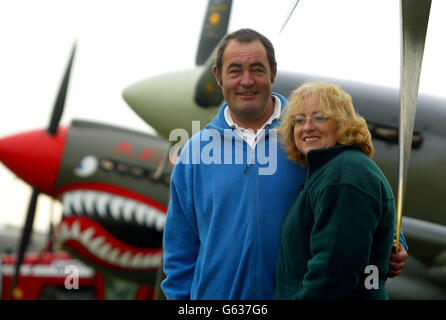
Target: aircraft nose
{"points": [[154, 100], [34, 156], [166, 102]]}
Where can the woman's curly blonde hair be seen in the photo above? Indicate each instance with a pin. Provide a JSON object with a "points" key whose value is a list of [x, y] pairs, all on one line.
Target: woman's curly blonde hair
{"points": [[336, 104]]}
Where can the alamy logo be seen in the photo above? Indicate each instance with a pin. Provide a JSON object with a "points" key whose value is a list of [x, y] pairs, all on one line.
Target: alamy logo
{"points": [[72, 280], [216, 147], [372, 280]]}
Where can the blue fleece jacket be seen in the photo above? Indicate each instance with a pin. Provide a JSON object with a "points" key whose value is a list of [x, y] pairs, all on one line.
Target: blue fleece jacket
{"points": [[222, 232]]}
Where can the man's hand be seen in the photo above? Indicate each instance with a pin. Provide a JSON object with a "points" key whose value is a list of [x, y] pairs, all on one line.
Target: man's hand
{"points": [[397, 261]]}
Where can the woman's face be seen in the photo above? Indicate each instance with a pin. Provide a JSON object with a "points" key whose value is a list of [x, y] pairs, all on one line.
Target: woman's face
{"points": [[312, 129]]}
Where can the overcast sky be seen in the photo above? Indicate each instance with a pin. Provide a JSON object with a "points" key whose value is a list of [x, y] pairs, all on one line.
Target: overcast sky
{"points": [[121, 42]]}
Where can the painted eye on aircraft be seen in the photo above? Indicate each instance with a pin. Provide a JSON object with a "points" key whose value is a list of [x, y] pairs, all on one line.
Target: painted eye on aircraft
{"points": [[86, 167]]}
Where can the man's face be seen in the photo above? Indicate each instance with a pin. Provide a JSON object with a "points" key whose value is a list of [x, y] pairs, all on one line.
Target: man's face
{"points": [[246, 80]]}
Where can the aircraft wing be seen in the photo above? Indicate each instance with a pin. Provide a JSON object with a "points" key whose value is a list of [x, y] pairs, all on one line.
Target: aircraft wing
{"points": [[424, 276]]}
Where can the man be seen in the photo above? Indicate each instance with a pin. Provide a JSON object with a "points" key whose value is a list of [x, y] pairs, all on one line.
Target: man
{"points": [[223, 224]]}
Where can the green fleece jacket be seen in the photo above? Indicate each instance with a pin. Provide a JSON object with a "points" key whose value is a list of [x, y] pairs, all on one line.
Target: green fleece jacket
{"points": [[341, 222]]}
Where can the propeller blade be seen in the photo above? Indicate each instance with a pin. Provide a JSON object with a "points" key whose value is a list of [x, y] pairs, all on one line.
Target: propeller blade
{"points": [[61, 96], [51, 228], [26, 234], [289, 16], [207, 92], [414, 20], [214, 28]]}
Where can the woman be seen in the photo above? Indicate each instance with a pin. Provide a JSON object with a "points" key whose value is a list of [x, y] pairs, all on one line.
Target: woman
{"points": [[344, 218]]}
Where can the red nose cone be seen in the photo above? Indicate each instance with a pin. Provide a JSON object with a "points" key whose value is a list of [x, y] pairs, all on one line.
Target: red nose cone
{"points": [[34, 156]]}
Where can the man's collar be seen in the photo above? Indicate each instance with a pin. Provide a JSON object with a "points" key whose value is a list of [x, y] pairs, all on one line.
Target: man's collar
{"points": [[274, 116]]}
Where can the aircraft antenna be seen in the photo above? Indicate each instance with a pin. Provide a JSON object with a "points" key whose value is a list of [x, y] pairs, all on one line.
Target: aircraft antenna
{"points": [[289, 16]]}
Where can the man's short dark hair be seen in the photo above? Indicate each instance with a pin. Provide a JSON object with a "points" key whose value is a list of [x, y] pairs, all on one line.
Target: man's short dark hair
{"points": [[247, 35]]}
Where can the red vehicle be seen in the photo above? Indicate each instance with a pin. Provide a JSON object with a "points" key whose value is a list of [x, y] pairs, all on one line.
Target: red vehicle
{"points": [[57, 275]]}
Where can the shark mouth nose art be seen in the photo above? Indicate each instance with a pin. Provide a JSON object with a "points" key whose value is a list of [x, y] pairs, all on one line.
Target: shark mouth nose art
{"points": [[109, 206], [112, 231]]}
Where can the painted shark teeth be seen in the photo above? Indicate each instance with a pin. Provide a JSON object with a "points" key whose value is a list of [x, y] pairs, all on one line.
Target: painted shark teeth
{"points": [[104, 250], [83, 202]]}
